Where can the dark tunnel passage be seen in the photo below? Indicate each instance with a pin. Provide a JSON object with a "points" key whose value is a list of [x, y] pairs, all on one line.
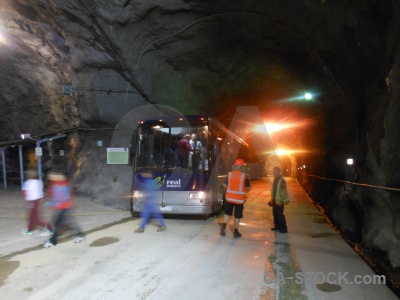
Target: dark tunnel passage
{"points": [[87, 65]]}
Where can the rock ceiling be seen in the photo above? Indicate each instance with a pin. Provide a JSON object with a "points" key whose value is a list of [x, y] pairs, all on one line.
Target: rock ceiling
{"points": [[181, 52]]}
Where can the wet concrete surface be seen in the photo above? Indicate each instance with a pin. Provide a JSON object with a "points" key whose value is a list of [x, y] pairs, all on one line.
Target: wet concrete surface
{"points": [[189, 261]]}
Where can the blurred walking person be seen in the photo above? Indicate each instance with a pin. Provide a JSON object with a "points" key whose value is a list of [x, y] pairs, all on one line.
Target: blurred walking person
{"points": [[150, 209], [32, 189], [60, 197]]}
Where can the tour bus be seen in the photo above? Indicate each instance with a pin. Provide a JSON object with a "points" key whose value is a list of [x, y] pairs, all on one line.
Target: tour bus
{"points": [[190, 184]]}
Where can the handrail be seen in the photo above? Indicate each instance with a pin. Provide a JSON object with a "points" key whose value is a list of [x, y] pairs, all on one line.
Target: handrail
{"points": [[43, 135], [38, 139]]}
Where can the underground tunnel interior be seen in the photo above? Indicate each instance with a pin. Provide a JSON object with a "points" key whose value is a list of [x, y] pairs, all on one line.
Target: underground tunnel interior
{"points": [[199, 57]]}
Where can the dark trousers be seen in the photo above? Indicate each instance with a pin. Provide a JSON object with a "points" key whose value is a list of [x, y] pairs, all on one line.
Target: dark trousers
{"points": [[35, 219], [60, 220], [279, 217]]}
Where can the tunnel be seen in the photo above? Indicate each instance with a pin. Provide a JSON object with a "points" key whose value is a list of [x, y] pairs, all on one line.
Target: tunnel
{"points": [[81, 68]]}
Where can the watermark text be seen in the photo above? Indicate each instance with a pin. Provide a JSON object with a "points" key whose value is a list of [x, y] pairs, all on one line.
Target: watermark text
{"points": [[321, 277]]}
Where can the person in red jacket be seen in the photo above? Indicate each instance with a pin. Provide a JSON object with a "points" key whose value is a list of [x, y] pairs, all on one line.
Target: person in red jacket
{"points": [[237, 183], [184, 150], [60, 195]]}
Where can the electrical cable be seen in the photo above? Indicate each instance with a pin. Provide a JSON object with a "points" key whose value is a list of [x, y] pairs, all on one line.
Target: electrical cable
{"points": [[357, 184], [108, 45]]}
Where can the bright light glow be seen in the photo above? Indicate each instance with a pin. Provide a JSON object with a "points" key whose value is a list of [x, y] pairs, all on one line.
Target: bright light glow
{"points": [[285, 151], [260, 128], [301, 97], [350, 161], [282, 151], [2, 39], [274, 127], [137, 194], [307, 96]]}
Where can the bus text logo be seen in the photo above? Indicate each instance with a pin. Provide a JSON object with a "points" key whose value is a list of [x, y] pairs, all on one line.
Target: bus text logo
{"points": [[174, 183]]}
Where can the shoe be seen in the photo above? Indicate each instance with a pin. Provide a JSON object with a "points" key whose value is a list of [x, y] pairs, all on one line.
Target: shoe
{"points": [[139, 230], [237, 234], [26, 231], [48, 244], [275, 229], [78, 239], [161, 228], [46, 232]]}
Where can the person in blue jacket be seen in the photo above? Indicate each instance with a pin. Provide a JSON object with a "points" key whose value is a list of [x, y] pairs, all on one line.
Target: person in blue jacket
{"points": [[150, 208]]}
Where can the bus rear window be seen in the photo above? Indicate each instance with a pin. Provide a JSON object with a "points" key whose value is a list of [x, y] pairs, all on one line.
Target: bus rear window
{"points": [[157, 146]]}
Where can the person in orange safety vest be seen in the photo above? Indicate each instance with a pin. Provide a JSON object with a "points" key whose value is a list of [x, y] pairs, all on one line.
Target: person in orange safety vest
{"points": [[237, 183]]}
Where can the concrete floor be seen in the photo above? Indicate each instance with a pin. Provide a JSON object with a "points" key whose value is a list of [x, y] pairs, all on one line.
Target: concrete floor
{"points": [[189, 261]]}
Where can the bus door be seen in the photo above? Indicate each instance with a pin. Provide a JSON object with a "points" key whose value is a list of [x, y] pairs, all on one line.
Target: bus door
{"points": [[168, 181], [175, 178], [147, 156]]}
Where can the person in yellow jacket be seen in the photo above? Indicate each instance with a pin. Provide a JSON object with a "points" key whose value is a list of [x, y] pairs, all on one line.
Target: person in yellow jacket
{"points": [[279, 198], [237, 183]]}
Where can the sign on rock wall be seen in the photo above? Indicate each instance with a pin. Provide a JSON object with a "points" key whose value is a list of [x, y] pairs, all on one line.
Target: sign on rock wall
{"points": [[117, 156]]}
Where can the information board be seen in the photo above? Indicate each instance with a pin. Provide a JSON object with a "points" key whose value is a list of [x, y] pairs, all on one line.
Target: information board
{"points": [[117, 156]]}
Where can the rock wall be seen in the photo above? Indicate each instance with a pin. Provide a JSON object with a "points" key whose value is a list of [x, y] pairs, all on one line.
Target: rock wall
{"points": [[366, 214]]}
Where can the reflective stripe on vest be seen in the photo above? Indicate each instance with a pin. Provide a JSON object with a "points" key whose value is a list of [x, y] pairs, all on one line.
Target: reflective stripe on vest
{"points": [[235, 192]]}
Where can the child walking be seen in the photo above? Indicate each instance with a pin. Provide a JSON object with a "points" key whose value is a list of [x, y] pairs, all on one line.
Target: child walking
{"points": [[61, 199], [32, 189]]}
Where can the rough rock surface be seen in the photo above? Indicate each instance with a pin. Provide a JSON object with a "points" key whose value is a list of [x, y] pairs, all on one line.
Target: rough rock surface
{"points": [[208, 57]]}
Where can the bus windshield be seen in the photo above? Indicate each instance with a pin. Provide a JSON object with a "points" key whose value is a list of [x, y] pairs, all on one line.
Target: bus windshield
{"points": [[166, 147]]}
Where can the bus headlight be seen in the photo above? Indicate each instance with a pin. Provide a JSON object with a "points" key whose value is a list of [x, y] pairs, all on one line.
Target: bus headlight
{"points": [[136, 195], [197, 197]]}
